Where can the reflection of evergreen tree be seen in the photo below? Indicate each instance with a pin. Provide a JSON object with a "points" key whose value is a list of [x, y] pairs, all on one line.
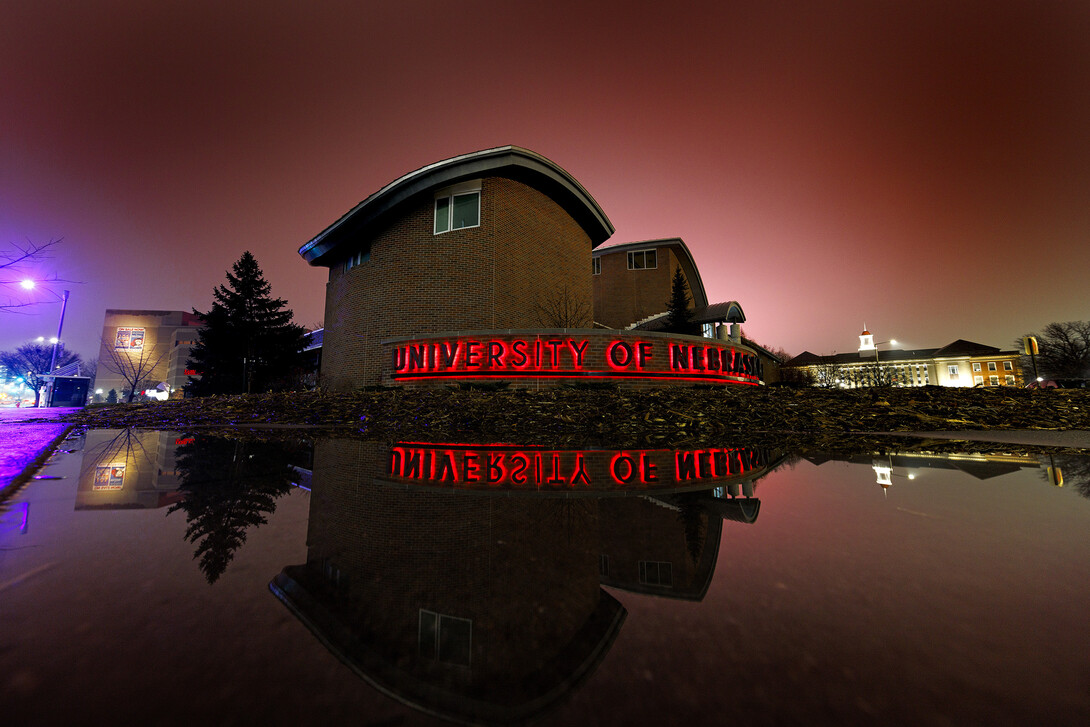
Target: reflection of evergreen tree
{"points": [[229, 487], [693, 517]]}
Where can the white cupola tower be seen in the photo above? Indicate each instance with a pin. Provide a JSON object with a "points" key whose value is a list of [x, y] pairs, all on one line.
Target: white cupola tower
{"points": [[866, 342]]}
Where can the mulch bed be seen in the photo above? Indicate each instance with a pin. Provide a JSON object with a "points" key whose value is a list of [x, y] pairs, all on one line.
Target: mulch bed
{"points": [[796, 418]]}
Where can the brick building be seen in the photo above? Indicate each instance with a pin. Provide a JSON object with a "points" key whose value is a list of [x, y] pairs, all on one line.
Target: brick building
{"points": [[475, 242], [632, 284], [154, 343], [470, 268]]}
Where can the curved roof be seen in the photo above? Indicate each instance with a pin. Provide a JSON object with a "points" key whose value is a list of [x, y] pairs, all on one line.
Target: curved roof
{"points": [[681, 250], [511, 162]]}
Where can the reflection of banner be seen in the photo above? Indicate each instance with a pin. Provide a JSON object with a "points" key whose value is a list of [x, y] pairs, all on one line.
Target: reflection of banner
{"points": [[129, 339], [109, 477]]}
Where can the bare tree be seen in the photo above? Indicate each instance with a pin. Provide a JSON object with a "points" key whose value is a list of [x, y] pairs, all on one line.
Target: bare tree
{"points": [[30, 362], [20, 286], [563, 309], [135, 366], [828, 374]]}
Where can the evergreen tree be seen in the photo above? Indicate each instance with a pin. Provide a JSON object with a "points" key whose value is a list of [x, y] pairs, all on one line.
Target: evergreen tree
{"points": [[680, 317], [248, 341]]}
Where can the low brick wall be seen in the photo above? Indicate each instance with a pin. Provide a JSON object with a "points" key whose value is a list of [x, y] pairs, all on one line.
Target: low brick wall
{"points": [[540, 358]]}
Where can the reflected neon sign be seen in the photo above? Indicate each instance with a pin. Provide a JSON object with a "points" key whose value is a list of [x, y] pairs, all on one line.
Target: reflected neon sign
{"points": [[505, 466]]}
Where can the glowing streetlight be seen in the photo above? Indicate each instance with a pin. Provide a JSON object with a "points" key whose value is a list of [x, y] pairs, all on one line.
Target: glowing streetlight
{"points": [[27, 284]]}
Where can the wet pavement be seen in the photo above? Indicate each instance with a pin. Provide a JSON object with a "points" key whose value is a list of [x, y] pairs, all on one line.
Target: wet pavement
{"points": [[342, 581], [24, 435]]}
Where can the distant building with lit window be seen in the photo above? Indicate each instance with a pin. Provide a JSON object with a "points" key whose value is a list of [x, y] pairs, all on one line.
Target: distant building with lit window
{"points": [[960, 363], [156, 342], [633, 282]]}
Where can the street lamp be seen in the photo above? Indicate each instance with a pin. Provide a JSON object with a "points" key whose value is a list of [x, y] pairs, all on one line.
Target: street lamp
{"points": [[57, 340]]}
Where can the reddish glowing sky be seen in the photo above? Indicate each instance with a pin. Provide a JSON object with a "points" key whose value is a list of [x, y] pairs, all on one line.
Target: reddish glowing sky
{"points": [[920, 166]]}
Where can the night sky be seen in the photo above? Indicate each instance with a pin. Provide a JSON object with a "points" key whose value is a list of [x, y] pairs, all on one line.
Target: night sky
{"points": [[923, 167]]}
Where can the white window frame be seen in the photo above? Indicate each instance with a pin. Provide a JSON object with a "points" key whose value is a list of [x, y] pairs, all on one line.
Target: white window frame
{"points": [[354, 261], [976, 366], [952, 369], [643, 255], [1009, 380], [449, 194], [993, 381], [596, 266], [1008, 366], [978, 380], [992, 366]]}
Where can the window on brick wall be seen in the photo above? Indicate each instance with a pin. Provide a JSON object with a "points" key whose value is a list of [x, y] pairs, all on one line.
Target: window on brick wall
{"points": [[358, 259], [642, 260], [596, 266], [457, 211], [654, 573], [446, 639], [1008, 366]]}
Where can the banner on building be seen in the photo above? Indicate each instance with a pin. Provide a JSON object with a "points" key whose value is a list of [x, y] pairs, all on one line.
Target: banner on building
{"points": [[129, 339]]}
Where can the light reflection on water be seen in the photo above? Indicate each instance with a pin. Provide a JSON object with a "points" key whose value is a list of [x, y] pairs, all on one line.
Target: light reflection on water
{"points": [[500, 583]]}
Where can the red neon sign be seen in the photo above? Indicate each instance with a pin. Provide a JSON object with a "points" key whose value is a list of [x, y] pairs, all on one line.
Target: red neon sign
{"points": [[565, 357]]}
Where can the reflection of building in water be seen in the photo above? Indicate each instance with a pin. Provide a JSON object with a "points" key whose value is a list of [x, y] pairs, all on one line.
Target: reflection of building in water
{"points": [[891, 467], [485, 604], [465, 605], [127, 468], [668, 545]]}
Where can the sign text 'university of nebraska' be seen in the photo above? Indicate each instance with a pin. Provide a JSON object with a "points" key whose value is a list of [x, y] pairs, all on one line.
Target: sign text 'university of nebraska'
{"points": [[561, 355]]}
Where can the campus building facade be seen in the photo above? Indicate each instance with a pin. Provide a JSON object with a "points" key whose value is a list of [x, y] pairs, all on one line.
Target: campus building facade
{"points": [[153, 343], [484, 249], [958, 364]]}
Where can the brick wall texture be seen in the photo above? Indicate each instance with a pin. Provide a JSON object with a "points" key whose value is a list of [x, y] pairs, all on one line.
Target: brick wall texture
{"points": [[623, 297], [526, 250]]}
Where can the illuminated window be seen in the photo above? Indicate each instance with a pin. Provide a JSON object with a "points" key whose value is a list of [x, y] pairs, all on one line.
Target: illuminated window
{"points": [[976, 366], [358, 259], [991, 366], [1009, 380], [978, 380], [1008, 366], [993, 381], [446, 639], [642, 260], [457, 211], [953, 369], [708, 330], [596, 266], [656, 574]]}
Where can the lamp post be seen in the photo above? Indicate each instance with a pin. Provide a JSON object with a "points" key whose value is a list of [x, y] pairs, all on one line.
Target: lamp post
{"points": [[57, 340], [877, 365]]}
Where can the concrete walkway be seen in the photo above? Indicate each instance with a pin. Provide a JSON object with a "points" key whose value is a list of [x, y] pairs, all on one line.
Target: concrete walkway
{"points": [[24, 435]]}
